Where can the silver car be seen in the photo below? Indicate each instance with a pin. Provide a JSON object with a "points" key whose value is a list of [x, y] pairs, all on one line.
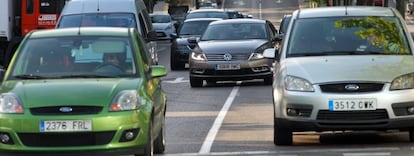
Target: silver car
{"points": [[232, 50], [343, 68]]}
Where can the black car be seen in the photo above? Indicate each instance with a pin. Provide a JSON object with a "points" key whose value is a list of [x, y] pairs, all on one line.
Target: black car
{"points": [[180, 47], [232, 50]]}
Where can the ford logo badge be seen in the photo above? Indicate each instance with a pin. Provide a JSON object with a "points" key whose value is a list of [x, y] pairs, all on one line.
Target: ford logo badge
{"points": [[65, 109], [227, 57], [352, 87]]}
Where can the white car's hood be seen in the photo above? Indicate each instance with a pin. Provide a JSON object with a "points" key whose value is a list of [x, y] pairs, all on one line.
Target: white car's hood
{"points": [[382, 68]]}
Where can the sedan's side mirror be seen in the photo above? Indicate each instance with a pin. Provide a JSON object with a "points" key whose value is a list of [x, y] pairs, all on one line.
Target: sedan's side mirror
{"points": [[152, 36], [192, 40]]}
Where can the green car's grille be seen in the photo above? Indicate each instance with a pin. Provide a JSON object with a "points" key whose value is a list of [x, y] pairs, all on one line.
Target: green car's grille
{"points": [[66, 139], [65, 110]]}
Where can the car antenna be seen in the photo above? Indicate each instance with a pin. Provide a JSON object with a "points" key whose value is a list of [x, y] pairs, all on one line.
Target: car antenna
{"points": [[81, 19], [97, 9]]}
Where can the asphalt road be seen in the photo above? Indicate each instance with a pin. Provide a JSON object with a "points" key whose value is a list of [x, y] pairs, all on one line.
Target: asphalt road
{"points": [[235, 118]]}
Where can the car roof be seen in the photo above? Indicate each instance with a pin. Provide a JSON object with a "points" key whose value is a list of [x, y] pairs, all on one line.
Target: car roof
{"points": [[345, 11], [103, 6], [202, 19], [239, 20], [82, 31]]}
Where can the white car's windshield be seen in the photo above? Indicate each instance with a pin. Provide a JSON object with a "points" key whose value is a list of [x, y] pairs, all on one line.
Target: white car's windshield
{"points": [[347, 36]]}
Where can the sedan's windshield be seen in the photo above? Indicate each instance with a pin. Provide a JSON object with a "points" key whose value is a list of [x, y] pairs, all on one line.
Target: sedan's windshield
{"points": [[347, 36], [75, 57], [193, 28], [235, 31]]}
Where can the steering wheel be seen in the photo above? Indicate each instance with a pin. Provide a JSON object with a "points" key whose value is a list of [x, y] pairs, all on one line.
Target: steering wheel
{"points": [[110, 68]]}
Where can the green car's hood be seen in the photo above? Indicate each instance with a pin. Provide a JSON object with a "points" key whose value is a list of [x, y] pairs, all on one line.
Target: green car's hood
{"points": [[91, 92]]}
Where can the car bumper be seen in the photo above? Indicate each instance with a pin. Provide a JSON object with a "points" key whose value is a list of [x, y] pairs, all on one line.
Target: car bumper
{"points": [[107, 135], [258, 69], [310, 111]]}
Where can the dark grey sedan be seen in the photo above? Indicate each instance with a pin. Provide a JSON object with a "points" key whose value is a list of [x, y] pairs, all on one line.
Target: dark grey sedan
{"points": [[232, 50]]}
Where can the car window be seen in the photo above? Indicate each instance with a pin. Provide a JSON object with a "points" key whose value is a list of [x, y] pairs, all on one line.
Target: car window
{"points": [[235, 31], [160, 19], [193, 28], [68, 56], [222, 15], [347, 35], [101, 20]]}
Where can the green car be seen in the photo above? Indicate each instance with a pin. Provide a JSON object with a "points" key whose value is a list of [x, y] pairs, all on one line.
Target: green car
{"points": [[77, 90]]}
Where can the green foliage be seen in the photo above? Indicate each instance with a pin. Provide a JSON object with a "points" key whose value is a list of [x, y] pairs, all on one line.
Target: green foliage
{"points": [[378, 32]]}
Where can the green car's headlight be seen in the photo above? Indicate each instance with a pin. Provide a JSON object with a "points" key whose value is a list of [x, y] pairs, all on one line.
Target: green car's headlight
{"points": [[125, 100], [10, 103], [403, 82], [293, 83]]}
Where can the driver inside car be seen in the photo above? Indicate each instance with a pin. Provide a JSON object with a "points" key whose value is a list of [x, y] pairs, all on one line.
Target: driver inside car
{"points": [[112, 63]]}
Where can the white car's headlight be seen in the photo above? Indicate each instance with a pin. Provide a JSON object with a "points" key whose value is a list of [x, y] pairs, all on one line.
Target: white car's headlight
{"points": [[403, 82], [10, 103], [256, 56], [125, 100], [198, 56], [293, 83]]}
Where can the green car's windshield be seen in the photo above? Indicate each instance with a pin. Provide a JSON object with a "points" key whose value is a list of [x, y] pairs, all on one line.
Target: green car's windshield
{"points": [[347, 36], [75, 57]]}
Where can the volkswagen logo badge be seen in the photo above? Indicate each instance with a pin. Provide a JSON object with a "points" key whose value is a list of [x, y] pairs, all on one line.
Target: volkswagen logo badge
{"points": [[352, 87], [65, 109], [227, 57]]}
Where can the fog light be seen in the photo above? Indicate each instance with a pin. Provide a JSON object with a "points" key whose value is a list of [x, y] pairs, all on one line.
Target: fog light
{"points": [[5, 138], [129, 135], [410, 110], [292, 112]]}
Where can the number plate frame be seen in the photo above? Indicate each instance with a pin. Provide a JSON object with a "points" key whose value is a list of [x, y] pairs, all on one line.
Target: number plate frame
{"points": [[227, 66], [65, 125], [352, 104]]}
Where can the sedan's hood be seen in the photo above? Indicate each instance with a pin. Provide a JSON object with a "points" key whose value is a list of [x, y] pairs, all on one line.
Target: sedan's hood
{"points": [[161, 26], [98, 92], [236, 46], [383, 68]]}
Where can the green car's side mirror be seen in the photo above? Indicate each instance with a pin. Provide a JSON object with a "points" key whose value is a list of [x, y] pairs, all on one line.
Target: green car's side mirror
{"points": [[158, 71]]}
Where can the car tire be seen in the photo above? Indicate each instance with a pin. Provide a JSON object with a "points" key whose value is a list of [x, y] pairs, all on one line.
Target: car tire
{"points": [[174, 64], [196, 82], [268, 80], [411, 135], [159, 143], [282, 136]]}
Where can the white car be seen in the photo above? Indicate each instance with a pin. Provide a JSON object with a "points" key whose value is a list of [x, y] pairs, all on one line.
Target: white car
{"points": [[163, 25], [343, 68]]}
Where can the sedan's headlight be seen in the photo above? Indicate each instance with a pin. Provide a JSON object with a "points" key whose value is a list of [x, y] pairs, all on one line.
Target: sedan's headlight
{"points": [[125, 100], [198, 56], [403, 82], [10, 103], [293, 83], [256, 56]]}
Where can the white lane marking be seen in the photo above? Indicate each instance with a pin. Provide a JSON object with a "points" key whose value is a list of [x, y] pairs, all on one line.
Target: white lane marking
{"points": [[177, 80], [208, 141], [369, 153]]}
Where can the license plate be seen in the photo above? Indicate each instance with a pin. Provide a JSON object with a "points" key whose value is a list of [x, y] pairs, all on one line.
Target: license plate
{"points": [[65, 125], [228, 66], [352, 104]]}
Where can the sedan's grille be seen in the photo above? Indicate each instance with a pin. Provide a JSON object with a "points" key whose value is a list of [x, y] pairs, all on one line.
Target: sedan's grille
{"points": [[66, 139], [57, 110], [358, 87], [379, 114], [234, 57]]}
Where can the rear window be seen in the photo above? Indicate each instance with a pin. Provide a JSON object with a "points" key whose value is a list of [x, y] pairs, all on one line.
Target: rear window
{"points": [[221, 15], [99, 20]]}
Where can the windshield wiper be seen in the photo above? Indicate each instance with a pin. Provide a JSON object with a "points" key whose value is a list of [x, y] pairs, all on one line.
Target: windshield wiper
{"points": [[30, 76]]}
